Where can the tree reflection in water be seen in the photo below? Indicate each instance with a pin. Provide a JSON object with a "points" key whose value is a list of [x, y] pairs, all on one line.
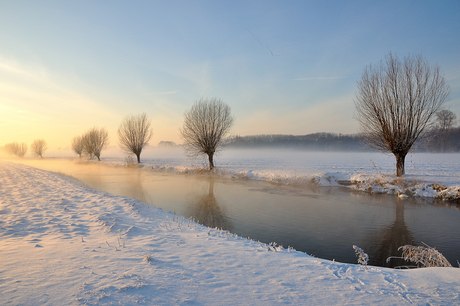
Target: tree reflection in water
{"points": [[205, 209], [136, 189], [385, 242]]}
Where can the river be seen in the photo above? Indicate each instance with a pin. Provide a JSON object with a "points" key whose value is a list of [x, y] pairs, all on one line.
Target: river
{"points": [[321, 221]]}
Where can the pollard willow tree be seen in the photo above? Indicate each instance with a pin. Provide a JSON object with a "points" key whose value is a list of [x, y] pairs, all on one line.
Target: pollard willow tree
{"points": [[77, 145], [15, 148], [205, 126], [134, 134], [397, 101], [38, 147], [94, 141]]}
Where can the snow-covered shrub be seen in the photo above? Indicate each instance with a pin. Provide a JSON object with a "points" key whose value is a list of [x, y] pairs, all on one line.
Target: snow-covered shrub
{"points": [[363, 258], [451, 194]]}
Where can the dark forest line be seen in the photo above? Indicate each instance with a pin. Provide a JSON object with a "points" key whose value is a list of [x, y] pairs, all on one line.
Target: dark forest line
{"points": [[446, 142]]}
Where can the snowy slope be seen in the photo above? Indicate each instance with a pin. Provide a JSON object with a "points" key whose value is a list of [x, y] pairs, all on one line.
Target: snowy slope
{"points": [[64, 244]]}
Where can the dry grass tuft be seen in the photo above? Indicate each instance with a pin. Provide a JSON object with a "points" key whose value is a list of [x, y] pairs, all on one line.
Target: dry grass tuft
{"points": [[148, 258], [424, 256]]}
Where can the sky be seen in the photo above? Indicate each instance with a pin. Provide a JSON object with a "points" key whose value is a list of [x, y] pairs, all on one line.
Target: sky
{"points": [[284, 67]]}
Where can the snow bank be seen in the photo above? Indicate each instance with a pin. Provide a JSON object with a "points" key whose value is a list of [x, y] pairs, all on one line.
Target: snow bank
{"points": [[63, 244]]}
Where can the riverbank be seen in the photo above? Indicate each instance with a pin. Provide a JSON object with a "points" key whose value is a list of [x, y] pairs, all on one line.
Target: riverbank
{"points": [[428, 175], [63, 243]]}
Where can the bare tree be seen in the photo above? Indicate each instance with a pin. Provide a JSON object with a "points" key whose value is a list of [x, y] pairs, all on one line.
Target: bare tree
{"points": [[77, 145], [15, 148], [397, 101], [10, 148], [21, 149], [94, 141], [205, 125], [438, 136], [38, 147], [445, 120], [134, 134]]}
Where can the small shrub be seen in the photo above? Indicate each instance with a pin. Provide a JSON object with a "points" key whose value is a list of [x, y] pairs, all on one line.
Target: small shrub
{"points": [[363, 258]]}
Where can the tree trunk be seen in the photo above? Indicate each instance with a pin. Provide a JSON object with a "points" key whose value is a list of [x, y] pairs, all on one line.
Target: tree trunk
{"points": [[400, 158], [138, 158], [211, 161]]}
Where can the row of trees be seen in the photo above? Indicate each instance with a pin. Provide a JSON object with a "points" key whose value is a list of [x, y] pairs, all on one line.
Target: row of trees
{"points": [[316, 141], [38, 147], [443, 137], [447, 142], [396, 106], [91, 143], [205, 126], [134, 134]]}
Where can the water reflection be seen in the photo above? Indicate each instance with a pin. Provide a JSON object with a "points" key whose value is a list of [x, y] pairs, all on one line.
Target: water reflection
{"points": [[386, 241], [206, 209], [136, 187], [127, 182]]}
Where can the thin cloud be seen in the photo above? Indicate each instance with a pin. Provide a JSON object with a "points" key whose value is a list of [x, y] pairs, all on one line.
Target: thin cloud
{"points": [[319, 78]]}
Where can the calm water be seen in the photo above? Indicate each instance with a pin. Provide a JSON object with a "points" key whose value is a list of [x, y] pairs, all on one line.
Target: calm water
{"points": [[322, 221]]}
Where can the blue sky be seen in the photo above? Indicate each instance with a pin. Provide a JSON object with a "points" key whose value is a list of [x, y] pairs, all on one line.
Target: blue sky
{"points": [[284, 67]]}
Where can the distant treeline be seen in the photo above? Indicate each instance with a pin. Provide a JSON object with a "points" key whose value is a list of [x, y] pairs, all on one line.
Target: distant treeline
{"points": [[317, 141], [446, 142]]}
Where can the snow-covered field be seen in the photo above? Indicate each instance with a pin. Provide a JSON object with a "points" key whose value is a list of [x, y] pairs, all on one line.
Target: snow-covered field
{"points": [[65, 244]]}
